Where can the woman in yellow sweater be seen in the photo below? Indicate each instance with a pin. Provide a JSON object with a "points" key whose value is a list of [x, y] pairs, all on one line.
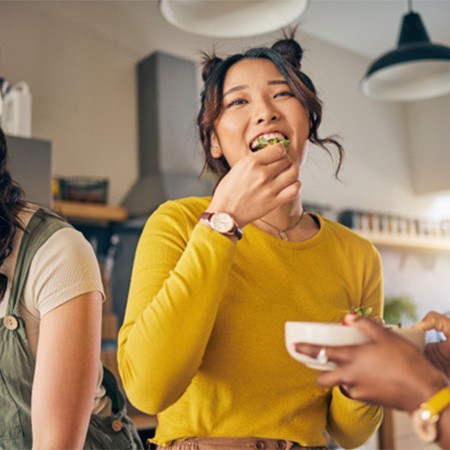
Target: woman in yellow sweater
{"points": [[216, 278]]}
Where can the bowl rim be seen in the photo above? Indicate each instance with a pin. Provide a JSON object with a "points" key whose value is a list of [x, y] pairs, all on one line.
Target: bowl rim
{"points": [[350, 335]]}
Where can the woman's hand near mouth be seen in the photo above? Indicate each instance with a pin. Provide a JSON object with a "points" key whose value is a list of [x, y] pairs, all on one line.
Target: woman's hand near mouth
{"points": [[257, 184]]}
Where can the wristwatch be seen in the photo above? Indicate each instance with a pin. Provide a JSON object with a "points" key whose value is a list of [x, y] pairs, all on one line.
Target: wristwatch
{"points": [[425, 418], [223, 223]]}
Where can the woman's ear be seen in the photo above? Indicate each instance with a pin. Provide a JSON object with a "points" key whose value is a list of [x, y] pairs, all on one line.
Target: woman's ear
{"points": [[216, 150]]}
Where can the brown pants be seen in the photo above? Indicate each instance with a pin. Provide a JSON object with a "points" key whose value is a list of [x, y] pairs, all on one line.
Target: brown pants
{"points": [[235, 444]]}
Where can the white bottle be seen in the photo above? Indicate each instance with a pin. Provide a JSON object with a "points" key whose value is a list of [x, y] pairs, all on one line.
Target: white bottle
{"points": [[16, 115]]}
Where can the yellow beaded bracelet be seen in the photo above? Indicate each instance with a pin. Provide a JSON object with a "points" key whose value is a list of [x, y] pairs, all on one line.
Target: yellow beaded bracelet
{"points": [[425, 418]]}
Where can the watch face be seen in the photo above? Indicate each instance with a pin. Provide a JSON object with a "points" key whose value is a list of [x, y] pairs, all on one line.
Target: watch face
{"points": [[222, 222], [425, 429]]}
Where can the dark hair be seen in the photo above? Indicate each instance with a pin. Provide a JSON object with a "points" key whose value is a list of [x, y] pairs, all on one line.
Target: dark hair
{"points": [[286, 54], [11, 202]]}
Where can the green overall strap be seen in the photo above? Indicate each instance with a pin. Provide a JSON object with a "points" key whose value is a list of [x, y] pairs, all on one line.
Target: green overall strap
{"points": [[40, 227]]}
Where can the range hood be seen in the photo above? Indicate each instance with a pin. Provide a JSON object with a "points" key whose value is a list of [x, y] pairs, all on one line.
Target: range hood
{"points": [[169, 153]]}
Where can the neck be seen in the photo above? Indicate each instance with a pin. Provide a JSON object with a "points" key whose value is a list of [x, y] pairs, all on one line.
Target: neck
{"points": [[282, 232], [285, 215]]}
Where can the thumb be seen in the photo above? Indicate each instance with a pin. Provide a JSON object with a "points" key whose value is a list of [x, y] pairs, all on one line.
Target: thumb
{"points": [[370, 328]]}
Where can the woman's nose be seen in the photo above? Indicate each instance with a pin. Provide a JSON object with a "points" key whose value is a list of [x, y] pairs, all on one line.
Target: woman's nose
{"points": [[266, 113], [267, 118]]}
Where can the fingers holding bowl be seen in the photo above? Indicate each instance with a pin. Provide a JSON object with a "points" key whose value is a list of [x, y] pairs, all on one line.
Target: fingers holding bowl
{"points": [[323, 353], [311, 342], [355, 366]]}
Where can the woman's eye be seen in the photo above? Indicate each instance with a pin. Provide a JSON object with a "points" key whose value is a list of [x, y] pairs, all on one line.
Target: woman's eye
{"points": [[237, 102], [284, 94]]}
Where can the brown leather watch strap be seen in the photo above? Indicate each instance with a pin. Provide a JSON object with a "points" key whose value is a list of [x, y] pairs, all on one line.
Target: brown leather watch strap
{"points": [[222, 223]]}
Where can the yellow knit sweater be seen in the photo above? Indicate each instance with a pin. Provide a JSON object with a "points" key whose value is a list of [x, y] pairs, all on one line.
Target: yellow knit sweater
{"points": [[202, 344]]}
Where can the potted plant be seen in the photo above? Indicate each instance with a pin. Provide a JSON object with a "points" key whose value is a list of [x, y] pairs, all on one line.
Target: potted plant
{"points": [[398, 308]]}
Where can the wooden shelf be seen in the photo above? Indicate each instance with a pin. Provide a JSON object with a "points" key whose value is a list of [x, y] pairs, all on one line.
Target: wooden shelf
{"points": [[90, 212], [434, 244]]}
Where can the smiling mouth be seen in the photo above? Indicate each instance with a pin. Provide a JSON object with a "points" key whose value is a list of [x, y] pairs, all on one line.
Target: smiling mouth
{"points": [[268, 139]]}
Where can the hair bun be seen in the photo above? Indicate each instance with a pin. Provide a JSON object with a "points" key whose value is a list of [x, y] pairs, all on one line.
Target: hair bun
{"points": [[209, 63], [290, 50]]}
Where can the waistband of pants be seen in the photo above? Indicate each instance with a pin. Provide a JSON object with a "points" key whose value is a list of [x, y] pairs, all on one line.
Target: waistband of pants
{"points": [[235, 443]]}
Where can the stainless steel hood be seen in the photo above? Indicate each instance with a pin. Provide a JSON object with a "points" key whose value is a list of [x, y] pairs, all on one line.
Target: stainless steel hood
{"points": [[169, 154]]}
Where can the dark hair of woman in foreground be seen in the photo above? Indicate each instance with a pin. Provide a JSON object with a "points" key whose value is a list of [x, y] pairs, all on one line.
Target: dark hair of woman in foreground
{"points": [[11, 202]]}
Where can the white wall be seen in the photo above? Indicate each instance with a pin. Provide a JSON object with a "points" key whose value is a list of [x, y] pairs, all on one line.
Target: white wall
{"points": [[428, 140], [83, 93], [83, 86]]}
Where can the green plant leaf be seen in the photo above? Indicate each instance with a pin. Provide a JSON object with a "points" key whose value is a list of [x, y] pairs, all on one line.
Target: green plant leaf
{"points": [[397, 308]]}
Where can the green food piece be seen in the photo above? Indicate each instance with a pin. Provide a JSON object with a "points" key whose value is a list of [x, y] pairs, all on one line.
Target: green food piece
{"points": [[360, 311], [263, 142]]}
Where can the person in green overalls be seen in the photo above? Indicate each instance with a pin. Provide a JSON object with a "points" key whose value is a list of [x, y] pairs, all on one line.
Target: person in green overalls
{"points": [[54, 391]]}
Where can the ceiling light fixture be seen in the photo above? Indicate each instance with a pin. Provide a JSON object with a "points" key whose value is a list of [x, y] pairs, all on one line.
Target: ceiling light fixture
{"points": [[417, 69], [231, 18]]}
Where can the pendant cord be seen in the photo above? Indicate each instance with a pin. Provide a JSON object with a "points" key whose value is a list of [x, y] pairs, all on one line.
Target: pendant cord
{"points": [[282, 232]]}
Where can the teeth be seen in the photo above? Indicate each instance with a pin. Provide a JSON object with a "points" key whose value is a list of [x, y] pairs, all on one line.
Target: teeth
{"points": [[268, 137]]}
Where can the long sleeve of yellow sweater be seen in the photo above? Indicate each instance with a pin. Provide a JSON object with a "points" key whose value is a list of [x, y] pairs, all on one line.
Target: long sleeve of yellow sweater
{"points": [[202, 344]]}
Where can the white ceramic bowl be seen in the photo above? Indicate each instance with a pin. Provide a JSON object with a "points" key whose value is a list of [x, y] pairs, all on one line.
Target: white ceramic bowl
{"points": [[336, 334], [320, 333]]}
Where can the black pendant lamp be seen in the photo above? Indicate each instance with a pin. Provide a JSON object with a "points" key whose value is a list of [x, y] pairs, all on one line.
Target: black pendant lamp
{"points": [[417, 69]]}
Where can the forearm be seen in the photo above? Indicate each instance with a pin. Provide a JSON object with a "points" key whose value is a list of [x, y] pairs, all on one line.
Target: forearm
{"points": [[171, 310], [54, 430]]}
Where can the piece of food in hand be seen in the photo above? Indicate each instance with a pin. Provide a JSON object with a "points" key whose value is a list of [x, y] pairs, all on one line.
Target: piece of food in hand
{"points": [[357, 312], [269, 139]]}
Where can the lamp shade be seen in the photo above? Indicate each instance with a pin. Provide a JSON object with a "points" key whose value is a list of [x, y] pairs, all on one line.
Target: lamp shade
{"points": [[417, 69], [231, 18]]}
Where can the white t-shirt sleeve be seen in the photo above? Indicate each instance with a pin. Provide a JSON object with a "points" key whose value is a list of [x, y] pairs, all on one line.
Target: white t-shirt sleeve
{"points": [[63, 268]]}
